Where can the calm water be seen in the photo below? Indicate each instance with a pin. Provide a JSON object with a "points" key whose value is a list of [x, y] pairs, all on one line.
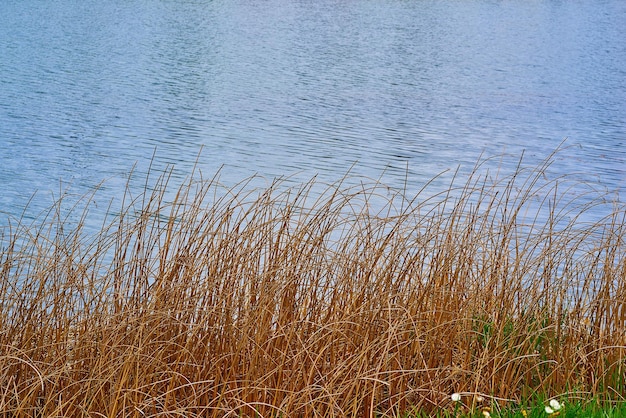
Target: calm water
{"points": [[398, 89]]}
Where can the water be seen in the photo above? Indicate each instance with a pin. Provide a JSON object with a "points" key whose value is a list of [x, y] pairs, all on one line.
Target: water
{"points": [[398, 90]]}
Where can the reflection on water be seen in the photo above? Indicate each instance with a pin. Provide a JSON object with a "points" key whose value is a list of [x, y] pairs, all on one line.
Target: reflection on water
{"points": [[398, 90]]}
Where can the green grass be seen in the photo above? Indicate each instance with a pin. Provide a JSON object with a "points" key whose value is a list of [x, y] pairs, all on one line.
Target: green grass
{"points": [[317, 301], [575, 408]]}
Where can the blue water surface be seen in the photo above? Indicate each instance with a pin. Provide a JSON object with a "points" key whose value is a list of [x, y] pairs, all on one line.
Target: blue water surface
{"points": [[397, 90]]}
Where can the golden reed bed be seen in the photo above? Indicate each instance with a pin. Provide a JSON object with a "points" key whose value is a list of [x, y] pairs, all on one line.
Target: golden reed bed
{"points": [[310, 301]]}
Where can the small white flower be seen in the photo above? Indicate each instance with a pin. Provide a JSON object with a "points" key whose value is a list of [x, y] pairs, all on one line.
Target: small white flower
{"points": [[549, 410], [555, 405], [486, 414], [456, 397]]}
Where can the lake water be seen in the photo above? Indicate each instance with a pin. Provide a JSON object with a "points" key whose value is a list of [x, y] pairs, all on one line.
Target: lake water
{"points": [[398, 90]]}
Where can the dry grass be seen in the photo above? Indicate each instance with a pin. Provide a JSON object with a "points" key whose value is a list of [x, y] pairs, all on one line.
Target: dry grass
{"points": [[355, 301]]}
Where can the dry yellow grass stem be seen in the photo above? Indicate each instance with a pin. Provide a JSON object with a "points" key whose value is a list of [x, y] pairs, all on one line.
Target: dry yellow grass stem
{"points": [[343, 301]]}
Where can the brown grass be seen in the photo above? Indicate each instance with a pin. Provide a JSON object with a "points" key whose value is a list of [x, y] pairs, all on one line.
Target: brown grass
{"points": [[343, 301]]}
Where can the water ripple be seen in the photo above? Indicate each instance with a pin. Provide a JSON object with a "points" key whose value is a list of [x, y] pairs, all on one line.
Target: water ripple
{"points": [[90, 90]]}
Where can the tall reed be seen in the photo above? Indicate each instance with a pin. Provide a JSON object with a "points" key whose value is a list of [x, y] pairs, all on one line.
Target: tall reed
{"points": [[313, 301]]}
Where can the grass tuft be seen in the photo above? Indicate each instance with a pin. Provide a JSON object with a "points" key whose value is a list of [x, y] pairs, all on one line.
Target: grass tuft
{"points": [[315, 301]]}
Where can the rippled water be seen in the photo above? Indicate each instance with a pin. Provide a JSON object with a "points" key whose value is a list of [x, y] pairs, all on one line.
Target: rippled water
{"points": [[398, 89]]}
